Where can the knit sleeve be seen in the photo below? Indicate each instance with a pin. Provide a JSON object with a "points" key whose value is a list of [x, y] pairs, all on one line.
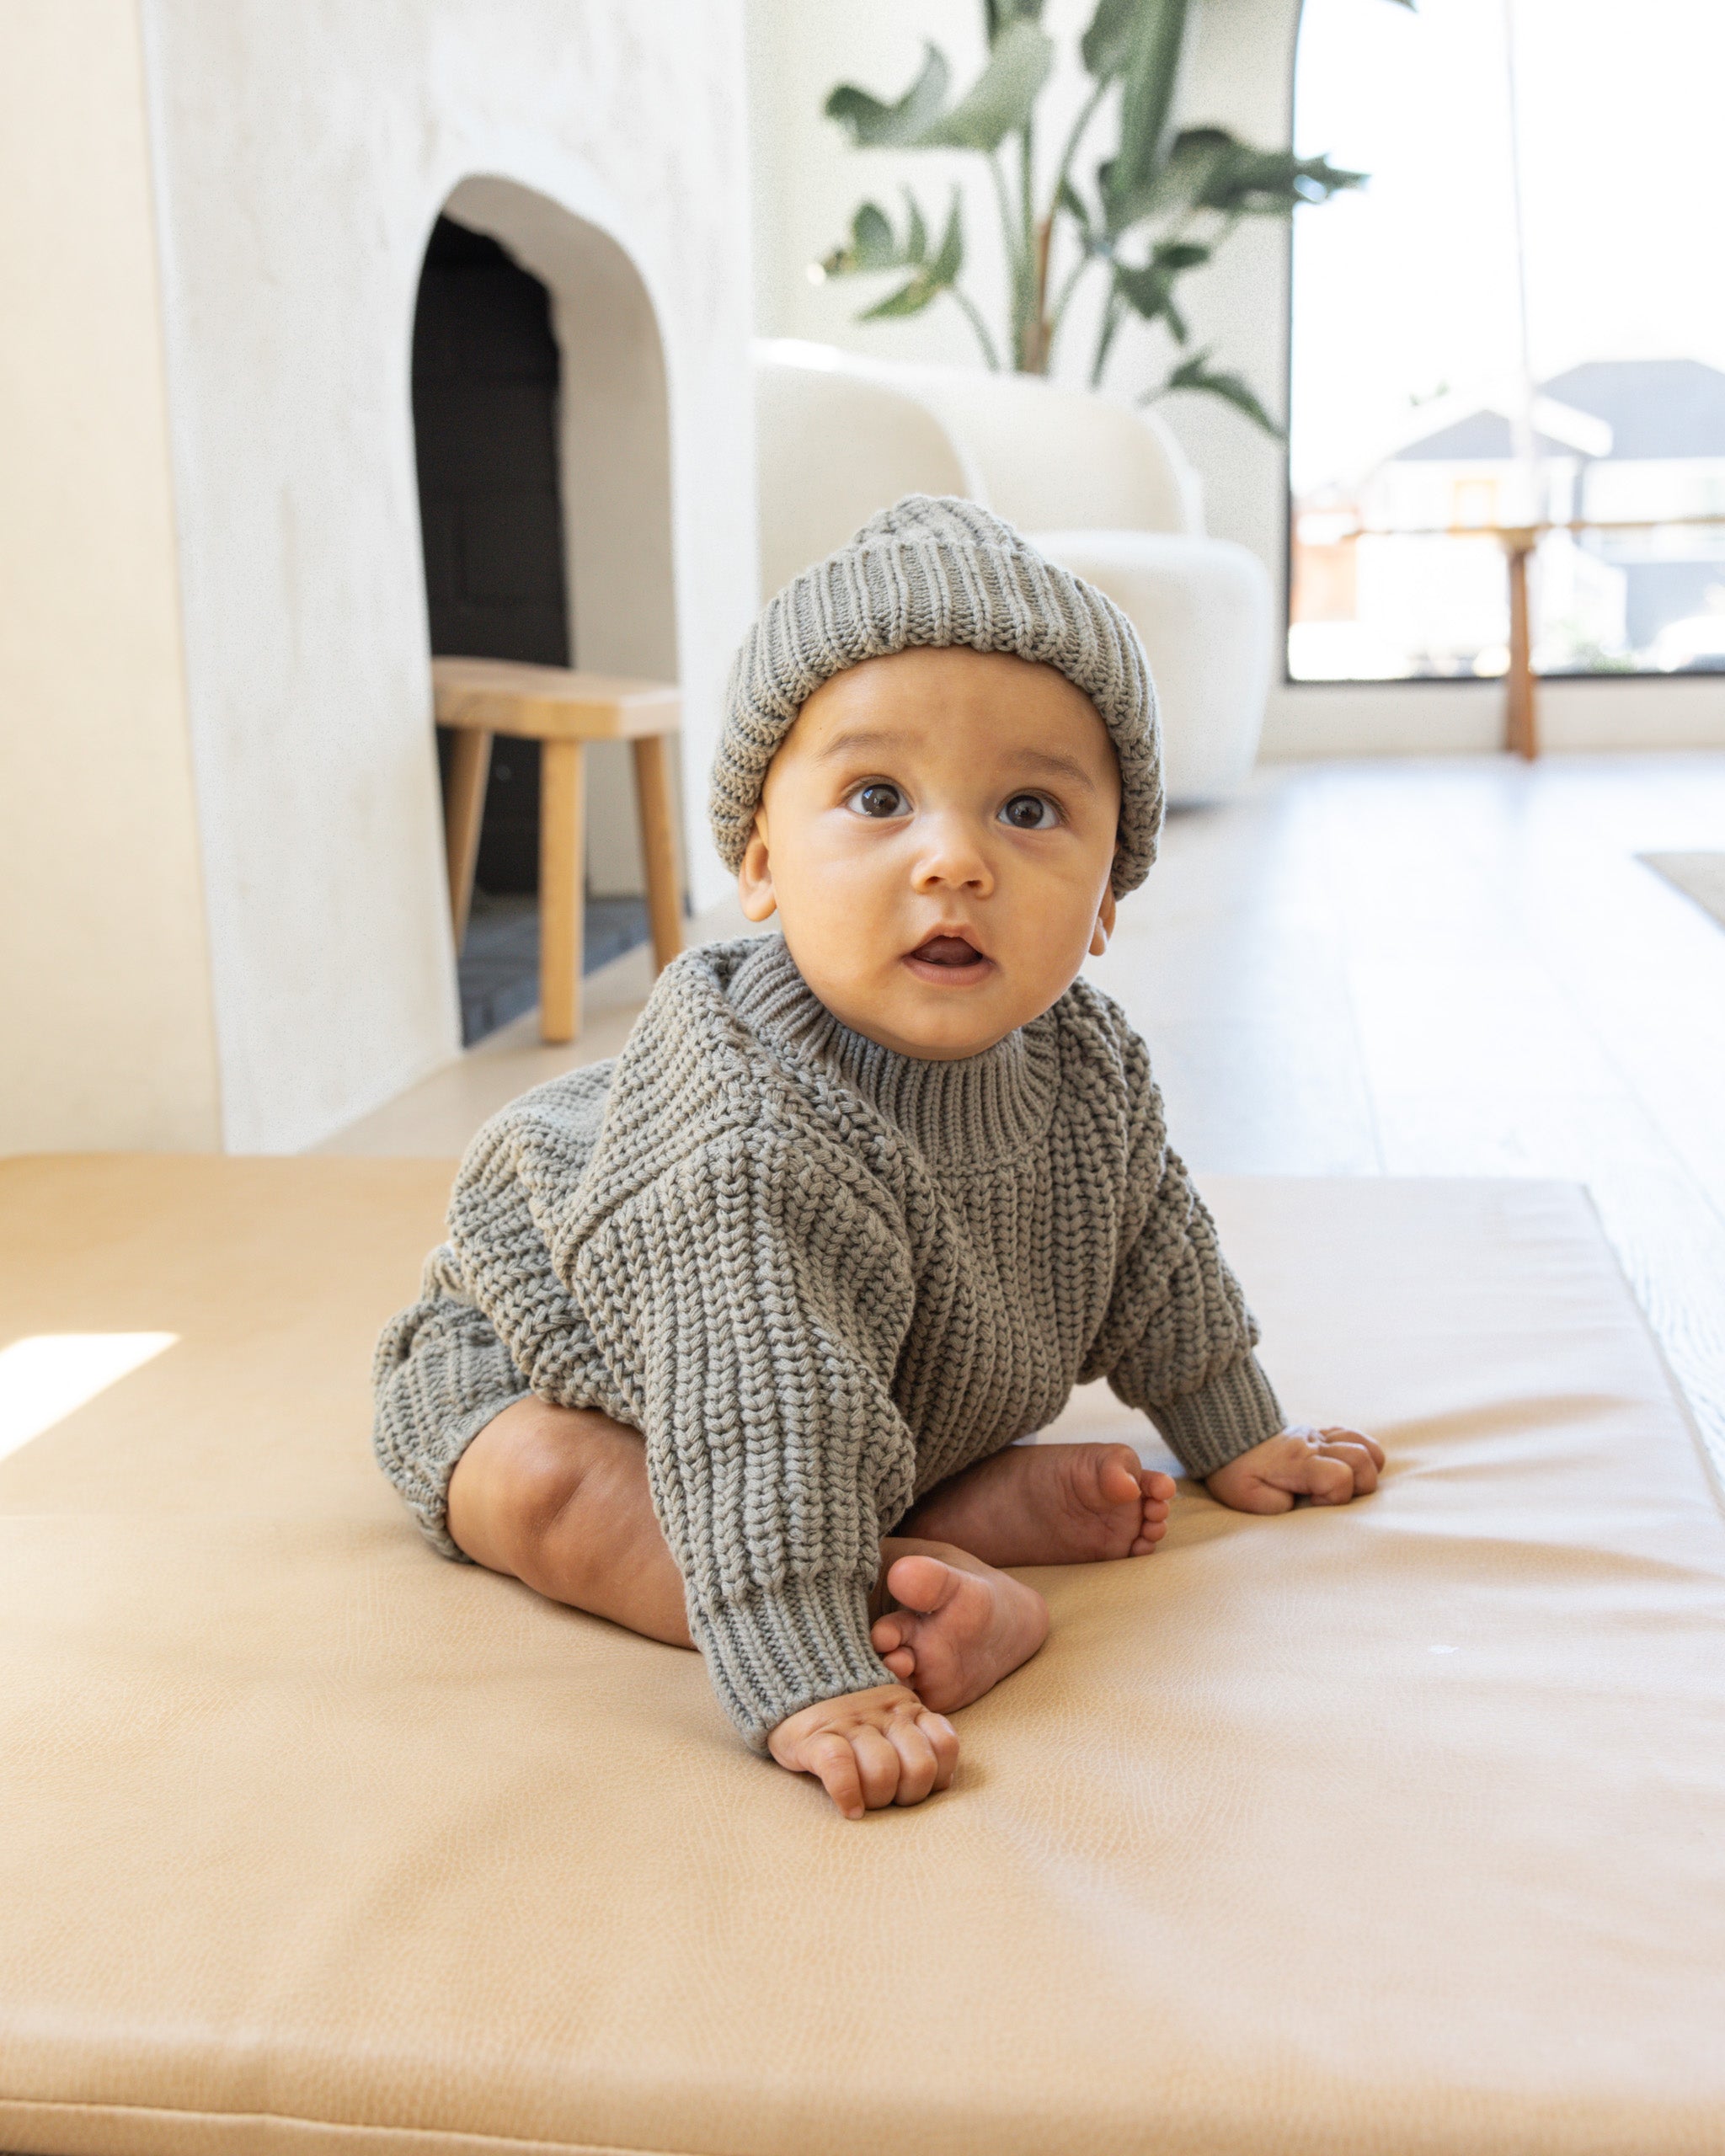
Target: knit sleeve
{"points": [[439, 1374], [753, 1299], [1178, 1340]]}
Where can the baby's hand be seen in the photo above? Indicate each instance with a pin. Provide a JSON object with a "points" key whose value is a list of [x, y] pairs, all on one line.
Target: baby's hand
{"points": [[1328, 1466], [869, 1748]]}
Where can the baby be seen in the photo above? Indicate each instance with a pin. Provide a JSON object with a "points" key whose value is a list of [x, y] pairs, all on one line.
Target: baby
{"points": [[732, 1337]]}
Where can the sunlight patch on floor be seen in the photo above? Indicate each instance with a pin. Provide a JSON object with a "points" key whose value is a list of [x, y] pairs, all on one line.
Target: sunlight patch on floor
{"points": [[47, 1376]]}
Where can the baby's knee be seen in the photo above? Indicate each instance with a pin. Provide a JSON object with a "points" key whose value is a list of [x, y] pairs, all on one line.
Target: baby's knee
{"points": [[556, 1459], [513, 1482]]}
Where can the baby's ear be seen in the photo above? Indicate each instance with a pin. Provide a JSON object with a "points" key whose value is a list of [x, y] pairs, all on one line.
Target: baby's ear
{"points": [[755, 892], [1104, 927]]}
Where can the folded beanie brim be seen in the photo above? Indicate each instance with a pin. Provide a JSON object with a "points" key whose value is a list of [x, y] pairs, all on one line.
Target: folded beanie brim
{"points": [[938, 571]]}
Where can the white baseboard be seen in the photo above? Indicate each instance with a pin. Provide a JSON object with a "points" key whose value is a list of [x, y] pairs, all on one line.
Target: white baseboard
{"points": [[1396, 718]]}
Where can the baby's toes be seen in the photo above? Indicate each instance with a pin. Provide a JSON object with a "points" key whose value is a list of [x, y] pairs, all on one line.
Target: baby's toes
{"points": [[1117, 1479], [1155, 1491], [891, 1636]]}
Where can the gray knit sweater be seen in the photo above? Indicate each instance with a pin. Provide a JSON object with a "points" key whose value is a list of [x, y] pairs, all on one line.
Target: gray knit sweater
{"points": [[819, 1277]]}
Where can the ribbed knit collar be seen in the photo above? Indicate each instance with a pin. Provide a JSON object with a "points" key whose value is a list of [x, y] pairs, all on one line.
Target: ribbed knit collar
{"points": [[977, 1109]]}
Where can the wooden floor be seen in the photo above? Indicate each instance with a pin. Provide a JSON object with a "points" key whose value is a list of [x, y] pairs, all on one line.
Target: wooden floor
{"points": [[1445, 967]]}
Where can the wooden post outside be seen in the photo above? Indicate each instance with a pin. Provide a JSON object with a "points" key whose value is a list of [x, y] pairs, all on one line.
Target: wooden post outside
{"points": [[664, 903], [1520, 718], [561, 770], [463, 811]]}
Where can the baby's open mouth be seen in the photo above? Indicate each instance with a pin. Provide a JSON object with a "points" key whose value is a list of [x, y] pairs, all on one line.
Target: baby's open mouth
{"points": [[948, 956]]}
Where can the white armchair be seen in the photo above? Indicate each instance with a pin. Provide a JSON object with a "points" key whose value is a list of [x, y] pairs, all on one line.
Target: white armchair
{"points": [[1100, 488], [832, 446]]}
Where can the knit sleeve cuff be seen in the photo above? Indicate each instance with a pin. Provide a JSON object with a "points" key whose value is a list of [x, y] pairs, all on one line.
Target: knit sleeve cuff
{"points": [[427, 1492], [773, 1652], [1229, 1415]]}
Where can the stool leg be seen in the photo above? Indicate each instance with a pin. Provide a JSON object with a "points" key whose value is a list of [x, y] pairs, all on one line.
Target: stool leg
{"points": [[463, 811], [561, 770], [664, 902]]}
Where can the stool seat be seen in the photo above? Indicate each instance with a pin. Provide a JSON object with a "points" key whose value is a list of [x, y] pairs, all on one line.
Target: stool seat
{"points": [[563, 709]]}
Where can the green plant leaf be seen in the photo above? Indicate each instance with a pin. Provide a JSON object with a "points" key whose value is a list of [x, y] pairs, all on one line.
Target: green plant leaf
{"points": [[1001, 13], [997, 102], [873, 244], [1108, 43], [1197, 373], [949, 259], [915, 232], [909, 299], [871, 124], [1078, 209], [1217, 172], [1208, 169], [932, 278], [1150, 80], [1002, 98], [1149, 291]]}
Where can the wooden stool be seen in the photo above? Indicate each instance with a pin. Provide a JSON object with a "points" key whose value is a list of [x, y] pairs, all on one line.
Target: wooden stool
{"points": [[564, 711]]}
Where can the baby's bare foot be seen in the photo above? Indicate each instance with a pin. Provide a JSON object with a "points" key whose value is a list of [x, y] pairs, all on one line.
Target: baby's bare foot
{"points": [[1050, 1505], [960, 1625]]}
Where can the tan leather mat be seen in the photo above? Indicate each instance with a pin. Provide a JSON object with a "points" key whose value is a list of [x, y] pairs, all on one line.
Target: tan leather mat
{"points": [[1374, 1833]]}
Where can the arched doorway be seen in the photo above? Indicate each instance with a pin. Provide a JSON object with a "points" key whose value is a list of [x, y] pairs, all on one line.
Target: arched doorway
{"points": [[540, 432]]}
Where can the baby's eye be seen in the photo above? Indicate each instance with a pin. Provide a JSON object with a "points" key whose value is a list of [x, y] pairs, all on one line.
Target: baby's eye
{"points": [[1030, 812], [877, 798]]}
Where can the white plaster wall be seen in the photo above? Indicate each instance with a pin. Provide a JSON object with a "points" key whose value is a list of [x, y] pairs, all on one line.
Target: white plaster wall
{"points": [[302, 154], [1240, 75], [106, 1037]]}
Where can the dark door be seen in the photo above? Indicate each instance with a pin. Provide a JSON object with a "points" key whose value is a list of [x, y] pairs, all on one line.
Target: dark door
{"points": [[485, 393]]}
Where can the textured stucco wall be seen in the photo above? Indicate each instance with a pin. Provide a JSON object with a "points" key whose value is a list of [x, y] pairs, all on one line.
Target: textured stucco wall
{"points": [[105, 1024], [301, 154]]}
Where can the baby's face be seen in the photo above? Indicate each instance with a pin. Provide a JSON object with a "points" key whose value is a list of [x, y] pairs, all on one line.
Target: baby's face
{"points": [[936, 835]]}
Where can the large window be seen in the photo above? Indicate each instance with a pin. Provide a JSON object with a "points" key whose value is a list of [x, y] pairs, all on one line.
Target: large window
{"points": [[1519, 322]]}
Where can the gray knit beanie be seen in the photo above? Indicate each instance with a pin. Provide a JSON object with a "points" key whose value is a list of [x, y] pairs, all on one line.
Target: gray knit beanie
{"points": [[938, 571]]}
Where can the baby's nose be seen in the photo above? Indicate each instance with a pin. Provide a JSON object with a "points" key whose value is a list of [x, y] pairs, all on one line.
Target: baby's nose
{"points": [[951, 853]]}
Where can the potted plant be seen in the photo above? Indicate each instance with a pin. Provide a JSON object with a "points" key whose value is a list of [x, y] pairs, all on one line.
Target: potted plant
{"points": [[1157, 208]]}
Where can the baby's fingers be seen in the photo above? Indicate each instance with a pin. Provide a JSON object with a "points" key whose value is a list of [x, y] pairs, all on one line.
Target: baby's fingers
{"points": [[1368, 1445], [878, 1764], [1326, 1480], [829, 1756], [943, 1739], [1272, 1489], [917, 1764], [1358, 1462]]}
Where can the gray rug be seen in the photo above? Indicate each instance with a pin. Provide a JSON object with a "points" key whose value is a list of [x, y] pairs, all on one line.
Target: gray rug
{"points": [[499, 972], [1698, 876]]}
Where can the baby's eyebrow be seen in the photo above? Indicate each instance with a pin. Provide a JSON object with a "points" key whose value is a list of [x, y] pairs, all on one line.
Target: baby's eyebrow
{"points": [[873, 738], [1063, 767], [847, 744]]}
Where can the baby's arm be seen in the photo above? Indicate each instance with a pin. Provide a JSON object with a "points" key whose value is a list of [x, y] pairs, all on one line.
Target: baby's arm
{"points": [[1178, 1342], [753, 1298]]}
